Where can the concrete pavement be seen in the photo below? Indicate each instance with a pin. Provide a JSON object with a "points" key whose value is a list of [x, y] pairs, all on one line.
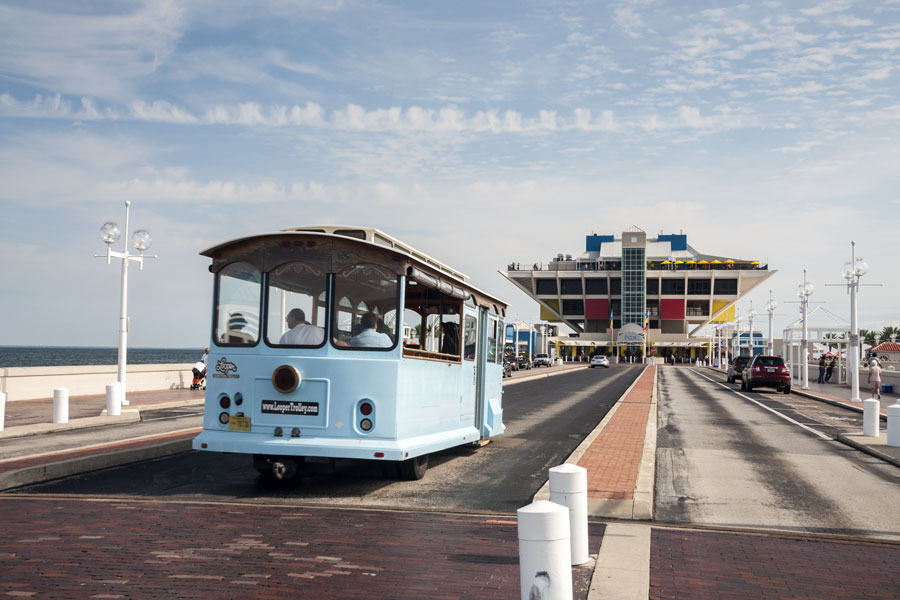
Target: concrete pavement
{"points": [[477, 559]]}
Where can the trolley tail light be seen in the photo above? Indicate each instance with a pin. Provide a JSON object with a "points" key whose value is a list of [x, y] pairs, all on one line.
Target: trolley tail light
{"points": [[365, 415]]}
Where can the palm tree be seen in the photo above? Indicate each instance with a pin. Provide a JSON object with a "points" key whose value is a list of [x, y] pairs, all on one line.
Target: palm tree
{"points": [[888, 332]]}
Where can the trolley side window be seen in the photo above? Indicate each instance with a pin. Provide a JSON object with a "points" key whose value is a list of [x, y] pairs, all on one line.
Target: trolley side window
{"points": [[431, 324], [470, 336], [364, 308], [236, 318], [492, 341], [296, 306]]}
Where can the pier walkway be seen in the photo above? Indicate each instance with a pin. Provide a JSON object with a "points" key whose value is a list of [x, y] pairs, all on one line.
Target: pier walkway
{"points": [[150, 547]]}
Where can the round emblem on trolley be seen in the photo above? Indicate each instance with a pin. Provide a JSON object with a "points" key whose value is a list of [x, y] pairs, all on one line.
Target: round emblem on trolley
{"points": [[285, 379]]}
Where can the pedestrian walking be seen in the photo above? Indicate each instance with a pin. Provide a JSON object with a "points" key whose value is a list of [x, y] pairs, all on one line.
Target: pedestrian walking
{"points": [[875, 378], [829, 370], [821, 370]]}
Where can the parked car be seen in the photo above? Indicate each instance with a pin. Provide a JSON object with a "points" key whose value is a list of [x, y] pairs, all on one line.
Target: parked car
{"points": [[766, 371], [542, 360], [507, 367], [736, 367], [524, 363], [598, 360]]}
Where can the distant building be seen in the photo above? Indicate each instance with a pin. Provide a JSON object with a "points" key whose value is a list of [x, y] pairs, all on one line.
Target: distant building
{"points": [[623, 292]]}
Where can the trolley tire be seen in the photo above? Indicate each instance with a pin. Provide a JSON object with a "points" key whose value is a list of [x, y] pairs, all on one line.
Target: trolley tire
{"points": [[414, 469]]}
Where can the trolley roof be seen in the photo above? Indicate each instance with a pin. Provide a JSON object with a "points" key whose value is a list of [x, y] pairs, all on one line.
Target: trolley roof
{"points": [[369, 235]]}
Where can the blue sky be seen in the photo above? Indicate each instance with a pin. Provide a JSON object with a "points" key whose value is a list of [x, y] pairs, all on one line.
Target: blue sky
{"points": [[481, 133]]}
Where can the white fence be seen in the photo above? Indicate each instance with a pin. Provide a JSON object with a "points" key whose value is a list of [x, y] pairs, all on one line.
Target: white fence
{"points": [[26, 383]]}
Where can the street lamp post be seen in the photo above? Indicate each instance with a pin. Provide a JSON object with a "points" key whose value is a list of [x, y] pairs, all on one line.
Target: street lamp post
{"points": [[770, 308], [750, 316], [804, 291], [852, 271], [141, 241]]}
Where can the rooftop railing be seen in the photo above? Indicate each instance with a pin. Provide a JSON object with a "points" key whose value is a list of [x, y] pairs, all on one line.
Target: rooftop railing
{"points": [[572, 265]]}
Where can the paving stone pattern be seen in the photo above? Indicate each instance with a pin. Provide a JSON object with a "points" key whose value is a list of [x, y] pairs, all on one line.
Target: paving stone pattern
{"points": [[700, 565], [62, 548], [613, 460]]}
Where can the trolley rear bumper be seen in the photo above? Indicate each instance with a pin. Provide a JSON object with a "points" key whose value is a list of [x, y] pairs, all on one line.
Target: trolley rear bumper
{"points": [[375, 449]]}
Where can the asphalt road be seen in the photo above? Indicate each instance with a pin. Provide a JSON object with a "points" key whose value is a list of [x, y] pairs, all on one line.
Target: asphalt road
{"points": [[765, 460], [546, 419]]}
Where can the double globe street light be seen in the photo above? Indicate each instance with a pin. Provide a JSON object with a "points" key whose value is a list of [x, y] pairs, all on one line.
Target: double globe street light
{"points": [[852, 271], [770, 308], [804, 291], [141, 241]]}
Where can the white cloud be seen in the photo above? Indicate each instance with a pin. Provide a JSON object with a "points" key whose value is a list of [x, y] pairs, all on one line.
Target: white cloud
{"points": [[95, 55]]}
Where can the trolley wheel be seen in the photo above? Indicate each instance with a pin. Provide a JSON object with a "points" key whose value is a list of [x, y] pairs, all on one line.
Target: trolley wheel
{"points": [[413, 469]]}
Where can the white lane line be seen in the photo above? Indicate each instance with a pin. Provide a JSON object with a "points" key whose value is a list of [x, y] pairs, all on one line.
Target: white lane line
{"points": [[770, 409]]}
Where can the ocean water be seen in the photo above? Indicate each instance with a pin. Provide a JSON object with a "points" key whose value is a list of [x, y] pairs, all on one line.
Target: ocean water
{"points": [[51, 356]]}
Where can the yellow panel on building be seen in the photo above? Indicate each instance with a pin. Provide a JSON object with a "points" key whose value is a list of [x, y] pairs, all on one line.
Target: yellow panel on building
{"points": [[726, 316], [546, 315]]}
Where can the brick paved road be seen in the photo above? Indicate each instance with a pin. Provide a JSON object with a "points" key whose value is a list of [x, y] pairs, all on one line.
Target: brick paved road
{"points": [[696, 565], [82, 548]]}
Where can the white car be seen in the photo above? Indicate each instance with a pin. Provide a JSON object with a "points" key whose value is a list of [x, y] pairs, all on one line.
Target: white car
{"points": [[598, 360]]}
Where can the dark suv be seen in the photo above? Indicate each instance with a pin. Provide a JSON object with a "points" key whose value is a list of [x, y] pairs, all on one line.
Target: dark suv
{"points": [[766, 371], [736, 367]]}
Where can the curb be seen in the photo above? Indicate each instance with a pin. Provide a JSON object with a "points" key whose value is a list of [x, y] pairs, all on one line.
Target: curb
{"points": [[847, 405], [514, 380], [867, 448], [94, 462], [130, 414]]}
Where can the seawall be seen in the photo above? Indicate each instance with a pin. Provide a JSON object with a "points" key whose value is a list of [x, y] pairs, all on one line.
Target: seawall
{"points": [[27, 383]]}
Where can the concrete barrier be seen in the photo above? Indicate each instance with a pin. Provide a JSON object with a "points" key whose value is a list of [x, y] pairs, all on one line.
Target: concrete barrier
{"points": [[27, 383]]}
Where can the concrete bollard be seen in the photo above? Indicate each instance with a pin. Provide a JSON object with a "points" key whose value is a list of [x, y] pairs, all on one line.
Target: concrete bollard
{"points": [[545, 562], [871, 423], [893, 425], [2, 409], [568, 487], [60, 405], [113, 399]]}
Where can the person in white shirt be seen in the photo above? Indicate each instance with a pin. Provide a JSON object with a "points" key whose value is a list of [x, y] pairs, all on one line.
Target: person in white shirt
{"points": [[875, 378], [369, 337], [205, 358], [301, 333]]}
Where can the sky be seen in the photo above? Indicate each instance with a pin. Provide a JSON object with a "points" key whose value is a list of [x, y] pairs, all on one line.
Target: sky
{"points": [[481, 133]]}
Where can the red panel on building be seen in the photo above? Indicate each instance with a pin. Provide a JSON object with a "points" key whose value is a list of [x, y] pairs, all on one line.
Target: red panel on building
{"points": [[671, 308], [596, 308]]}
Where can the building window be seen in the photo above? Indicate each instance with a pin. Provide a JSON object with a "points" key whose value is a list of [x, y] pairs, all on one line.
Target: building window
{"points": [[697, 308], [615, 287], [672, 326], [726, 287], [652, 287], [573, 307], [672, 287], [570, 287], [699, 287], [653, 308], [546, 287], [594, 287]]}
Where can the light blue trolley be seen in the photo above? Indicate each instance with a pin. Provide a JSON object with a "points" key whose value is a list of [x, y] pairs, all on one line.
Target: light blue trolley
{"points": [[343, 342]]}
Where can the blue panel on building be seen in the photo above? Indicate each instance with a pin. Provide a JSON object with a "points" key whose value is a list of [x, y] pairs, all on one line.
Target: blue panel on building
{"points": [[678, 241], [593, 242]]}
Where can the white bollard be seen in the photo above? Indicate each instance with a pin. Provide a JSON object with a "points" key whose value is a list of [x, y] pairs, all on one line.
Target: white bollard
{"points": [[113, 399], [893, 428], [568, 487], [60, 405], [2, 409], [545, 562], [871, 423]]}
